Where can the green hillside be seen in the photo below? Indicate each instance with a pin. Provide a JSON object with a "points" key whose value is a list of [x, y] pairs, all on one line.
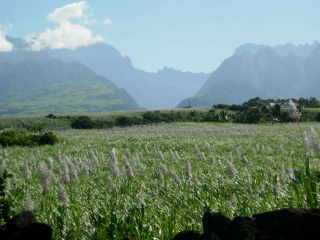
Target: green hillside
{"points": [[40, 84]]}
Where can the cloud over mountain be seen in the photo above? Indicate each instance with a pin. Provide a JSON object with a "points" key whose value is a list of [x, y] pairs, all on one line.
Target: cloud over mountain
{"points": [[5, 45], [67, 34], [68, 12]]}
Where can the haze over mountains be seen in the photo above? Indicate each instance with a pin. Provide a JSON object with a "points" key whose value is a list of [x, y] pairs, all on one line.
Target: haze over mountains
{"points": [[33, 83], [98, 78], [163, 89], [262, 71]]}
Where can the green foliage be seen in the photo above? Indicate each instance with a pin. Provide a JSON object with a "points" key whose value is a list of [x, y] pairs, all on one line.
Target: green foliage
{"points": [[35, 127], [51, 116], [253, 115], [105, 123], [311, 102], [5, 207], [60, 87], [218, 116], [18, 137], [126, 121], [276, 111], [166, 175], [48, 138], [83, 122]]}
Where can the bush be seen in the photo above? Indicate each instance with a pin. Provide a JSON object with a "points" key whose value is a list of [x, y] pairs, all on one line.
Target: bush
{"points": [[101, 124], [318, 117], [217, 116], [24, 138], [126, 121], [285, 117], [48, 138], [15, 138], [251, 115], [152, 117], [51, 116], [83, 122], [34, 127], [196, 116]]}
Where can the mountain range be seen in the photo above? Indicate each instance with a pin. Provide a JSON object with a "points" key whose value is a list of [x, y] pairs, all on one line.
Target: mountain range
{"points": [[162, 89], [34, 83], [99, 78], [153, 90], [262, 71]]}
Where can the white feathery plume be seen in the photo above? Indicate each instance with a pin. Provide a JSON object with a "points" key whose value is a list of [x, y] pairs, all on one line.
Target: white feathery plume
{"points": [[26, 169], [232, 170], [114, 163], [29, 204], [129, 170], [45, 177], [311, 139], [174, 176], [189, 171], [65, 173], [63, 196], [161, 155]]}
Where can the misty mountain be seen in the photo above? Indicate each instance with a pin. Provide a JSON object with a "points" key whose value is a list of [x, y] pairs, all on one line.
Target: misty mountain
{"points": [[268, 72], [162, 89], [33, 82]]}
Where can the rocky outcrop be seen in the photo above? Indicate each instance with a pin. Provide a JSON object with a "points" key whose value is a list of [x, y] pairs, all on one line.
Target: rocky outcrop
{"points": [[25, 226], [285, 224]]}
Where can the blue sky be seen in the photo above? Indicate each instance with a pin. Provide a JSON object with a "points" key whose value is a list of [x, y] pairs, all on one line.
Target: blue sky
{"points": [[195, 35]]}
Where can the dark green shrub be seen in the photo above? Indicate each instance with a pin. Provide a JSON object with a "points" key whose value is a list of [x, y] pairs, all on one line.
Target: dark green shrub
{"points": [[5, 204], [15, 138], [284, 117], [310, 116], [152, 117], [211, 116], [83, 122], [34, 127], [167, 117], [276, 111], [179, 116], [51, 116], [196, 116], [250, 115], [48, 138], [233, 107], [101, 124], [24, 138], [126, 121]]}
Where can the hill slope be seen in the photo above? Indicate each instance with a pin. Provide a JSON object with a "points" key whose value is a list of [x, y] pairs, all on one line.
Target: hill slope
{"points": [[36, 83], [162, 89], [282, 71]]}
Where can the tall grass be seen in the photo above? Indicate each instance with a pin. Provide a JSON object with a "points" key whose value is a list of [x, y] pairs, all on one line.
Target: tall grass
{"points": [[151, 182]]}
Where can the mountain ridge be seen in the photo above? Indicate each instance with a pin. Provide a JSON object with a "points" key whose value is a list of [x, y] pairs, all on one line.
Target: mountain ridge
{"points": [[33, 83], [164, 88], [263, 71]]}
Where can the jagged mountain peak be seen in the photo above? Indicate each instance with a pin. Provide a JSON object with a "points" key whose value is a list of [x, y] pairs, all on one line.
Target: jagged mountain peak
{"points": [[258, 70]]}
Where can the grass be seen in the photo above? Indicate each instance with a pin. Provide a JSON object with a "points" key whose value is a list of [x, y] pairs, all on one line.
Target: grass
{"points": [[150, 182], [312, 110]]}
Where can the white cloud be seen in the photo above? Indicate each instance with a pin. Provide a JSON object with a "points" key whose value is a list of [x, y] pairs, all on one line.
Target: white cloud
{"points": [[5, 45], [66, 34], [107, 21], [68, 12]]}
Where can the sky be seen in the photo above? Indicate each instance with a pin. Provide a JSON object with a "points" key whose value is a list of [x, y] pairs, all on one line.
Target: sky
{"points": [[189, 35]]}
